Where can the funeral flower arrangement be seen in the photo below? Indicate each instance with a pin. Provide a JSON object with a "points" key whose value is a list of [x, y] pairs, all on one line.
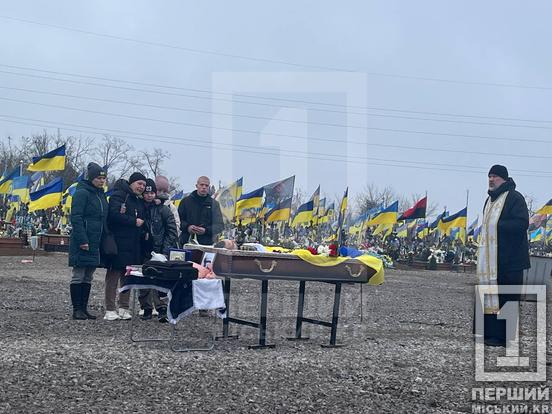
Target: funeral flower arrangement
{"points": [[438, 255]]}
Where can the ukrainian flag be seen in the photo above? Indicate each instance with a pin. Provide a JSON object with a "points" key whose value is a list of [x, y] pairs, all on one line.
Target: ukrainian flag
{"points": [[536, 235], [228, 197], [328, 213], [422, 230], [386, 216], [177, 198], [316, 200], [254, 199], [51, 161], [6, 182], [342, 210], [456, 220], [546, 209], [303, 214], [48, 196], [20, 187], [402, 231], [279, 213], [549, 235], [385, 229]]}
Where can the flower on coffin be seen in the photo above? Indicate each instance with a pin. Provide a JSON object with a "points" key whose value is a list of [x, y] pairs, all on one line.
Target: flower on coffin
{"points": [[333, 250], [312, 250], [323, 250]]}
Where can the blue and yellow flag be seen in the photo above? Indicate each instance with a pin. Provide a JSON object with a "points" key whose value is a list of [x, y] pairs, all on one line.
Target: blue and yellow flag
{"points": [[316, 201], [177, 198], [386, 216], [281, 212], [48, 196], [6, 182], [20, 187], [254, 199], [422, 230], [402, 230], [51, 161], [456, 220], [228, 198], [303, 215], [536, 235], [546, 209], [328, 214]]}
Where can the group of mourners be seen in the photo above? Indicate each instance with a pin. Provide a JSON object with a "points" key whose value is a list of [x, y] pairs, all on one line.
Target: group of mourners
{"points": [[138, 219]]}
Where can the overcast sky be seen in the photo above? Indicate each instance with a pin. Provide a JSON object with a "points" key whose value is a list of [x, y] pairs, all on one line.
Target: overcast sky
{"points": [[421, 96]]}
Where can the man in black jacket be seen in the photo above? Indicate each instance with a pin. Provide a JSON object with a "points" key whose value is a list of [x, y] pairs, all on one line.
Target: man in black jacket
{"points": [[200, 215], [503, 250]]}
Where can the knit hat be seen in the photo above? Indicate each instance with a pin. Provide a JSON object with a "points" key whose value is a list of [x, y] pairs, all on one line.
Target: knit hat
{"points": [[137, 176], [93, 170], [150, 186], [499, 170]]}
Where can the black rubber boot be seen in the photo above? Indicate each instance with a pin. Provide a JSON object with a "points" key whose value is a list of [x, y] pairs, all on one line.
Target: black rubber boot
{"points": [[147, 314], [76, 300], [85, 292]]}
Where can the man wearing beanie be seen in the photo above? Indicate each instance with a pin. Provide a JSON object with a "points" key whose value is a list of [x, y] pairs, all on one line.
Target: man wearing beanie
{"points": [[160, 238], [88, 222], [125, 221], [503, 251], [200, 215]]}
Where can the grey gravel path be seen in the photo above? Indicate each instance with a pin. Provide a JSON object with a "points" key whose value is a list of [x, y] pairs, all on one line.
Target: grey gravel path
{"points": [[412, 353]]}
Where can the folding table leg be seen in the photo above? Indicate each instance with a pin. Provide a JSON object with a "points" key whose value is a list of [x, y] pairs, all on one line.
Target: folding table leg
{"points": [[335, 317], [299, 321], [262, 324], [226, 321]]}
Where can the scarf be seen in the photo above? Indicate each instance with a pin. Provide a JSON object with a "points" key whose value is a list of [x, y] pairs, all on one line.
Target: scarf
{"points": [[487, 258]]}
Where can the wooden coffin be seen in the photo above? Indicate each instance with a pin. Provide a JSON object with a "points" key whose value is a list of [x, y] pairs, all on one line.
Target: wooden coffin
{"points": [[284, 266]]}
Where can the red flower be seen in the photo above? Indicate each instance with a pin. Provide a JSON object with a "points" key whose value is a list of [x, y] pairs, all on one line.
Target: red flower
{"points": [[312, 250], [333, 250]]}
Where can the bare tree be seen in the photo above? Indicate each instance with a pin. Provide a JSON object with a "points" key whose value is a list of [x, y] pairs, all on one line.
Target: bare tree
{"points": [[154, 160]]}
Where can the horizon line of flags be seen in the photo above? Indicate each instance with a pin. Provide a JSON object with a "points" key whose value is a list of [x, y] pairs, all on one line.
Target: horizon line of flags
{"points": [[270, 203]]}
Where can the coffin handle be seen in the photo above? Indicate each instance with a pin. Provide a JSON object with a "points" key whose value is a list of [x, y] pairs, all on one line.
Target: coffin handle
{"points": [[355, 275], [270, 269]]}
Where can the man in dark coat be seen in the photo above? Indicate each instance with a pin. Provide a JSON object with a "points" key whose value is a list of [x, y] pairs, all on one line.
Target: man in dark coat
{"points": [[161, 236], [88, 220], [506, 214], [125, 221], [200, 215]]}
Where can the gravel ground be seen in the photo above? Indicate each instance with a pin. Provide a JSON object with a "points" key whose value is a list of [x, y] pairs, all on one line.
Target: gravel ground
{"points": [[412, 352]]}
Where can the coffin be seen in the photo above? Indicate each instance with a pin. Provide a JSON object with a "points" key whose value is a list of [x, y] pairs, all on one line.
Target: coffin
{"points": [[283, 266]]}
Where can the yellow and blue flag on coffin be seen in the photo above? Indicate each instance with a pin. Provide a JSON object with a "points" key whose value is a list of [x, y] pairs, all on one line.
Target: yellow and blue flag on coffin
{"points": [[20, 188], [254, 199], [536, 235], [51, 161], [386, 216], [303, 215], [546, 209], [281, 212], [456, 220], [48, 196], [228, 198], [6, 182]]}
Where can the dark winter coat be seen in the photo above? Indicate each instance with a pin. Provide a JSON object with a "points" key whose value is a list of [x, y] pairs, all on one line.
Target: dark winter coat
{"points": [[122, 223], [200, 211], [513, 247], [89, 211], [161, 230]]}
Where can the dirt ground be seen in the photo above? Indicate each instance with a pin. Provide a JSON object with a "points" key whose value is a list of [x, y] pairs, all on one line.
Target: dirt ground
{"points": [[412, 350]]}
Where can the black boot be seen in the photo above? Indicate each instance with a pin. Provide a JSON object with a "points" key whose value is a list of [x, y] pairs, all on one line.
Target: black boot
{"points": [[76, 300], [147, 314], [162, 314], [84, 300]]}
